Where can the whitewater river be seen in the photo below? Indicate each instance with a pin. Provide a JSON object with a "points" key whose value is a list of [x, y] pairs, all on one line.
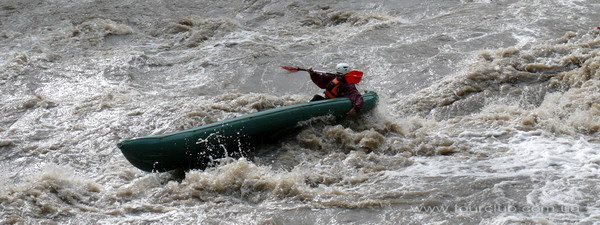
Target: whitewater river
{"points": [[489, 111]]}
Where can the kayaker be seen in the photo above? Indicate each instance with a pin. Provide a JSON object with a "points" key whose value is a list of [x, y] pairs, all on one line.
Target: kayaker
{"points": [[336, 86]]}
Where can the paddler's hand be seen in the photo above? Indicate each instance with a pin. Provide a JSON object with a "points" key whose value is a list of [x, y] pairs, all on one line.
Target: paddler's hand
{"points": [[310, 70], [351, 113]]}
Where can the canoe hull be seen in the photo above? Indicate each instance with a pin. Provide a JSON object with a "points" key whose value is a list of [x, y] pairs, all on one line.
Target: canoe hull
{"points": [[197, 147]]}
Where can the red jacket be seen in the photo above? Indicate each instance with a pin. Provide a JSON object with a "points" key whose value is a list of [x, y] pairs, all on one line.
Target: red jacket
{"points": [[345, 89]]}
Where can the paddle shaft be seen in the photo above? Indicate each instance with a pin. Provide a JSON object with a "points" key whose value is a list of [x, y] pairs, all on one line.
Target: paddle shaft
{"points": [[296, 69]]}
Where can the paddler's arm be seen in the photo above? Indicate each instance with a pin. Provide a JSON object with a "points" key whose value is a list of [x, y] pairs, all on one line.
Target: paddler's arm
{"points": [[355, 97], [320, 79]]}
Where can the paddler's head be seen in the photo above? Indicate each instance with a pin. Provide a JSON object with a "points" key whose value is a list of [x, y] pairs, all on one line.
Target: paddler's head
{"points": [[342, 69]]}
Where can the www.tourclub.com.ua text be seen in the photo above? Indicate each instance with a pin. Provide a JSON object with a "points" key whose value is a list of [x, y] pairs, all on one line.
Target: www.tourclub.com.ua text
{"points": [[496, 209]]}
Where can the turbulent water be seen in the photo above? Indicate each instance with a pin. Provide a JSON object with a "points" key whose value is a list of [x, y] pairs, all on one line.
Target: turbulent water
{"points": [[489, 111]]}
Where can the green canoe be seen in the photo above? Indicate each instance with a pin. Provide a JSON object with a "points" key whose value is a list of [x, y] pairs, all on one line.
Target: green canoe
{"points": [[196, 148]]}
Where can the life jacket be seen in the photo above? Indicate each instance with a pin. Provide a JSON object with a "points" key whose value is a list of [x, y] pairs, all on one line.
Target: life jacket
{"points": [[332, 89]]}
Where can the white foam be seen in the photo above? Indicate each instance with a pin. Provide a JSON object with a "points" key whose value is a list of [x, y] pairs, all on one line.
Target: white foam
{"points": [[133, 75]]}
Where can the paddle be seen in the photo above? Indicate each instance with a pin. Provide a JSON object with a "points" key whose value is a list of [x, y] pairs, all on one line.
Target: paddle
{"points": [[352, 77], [293, 69]]}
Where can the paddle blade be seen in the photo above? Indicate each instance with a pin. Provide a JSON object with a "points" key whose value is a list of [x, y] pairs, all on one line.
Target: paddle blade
{"points": [[290, 68], [354, 77]]}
